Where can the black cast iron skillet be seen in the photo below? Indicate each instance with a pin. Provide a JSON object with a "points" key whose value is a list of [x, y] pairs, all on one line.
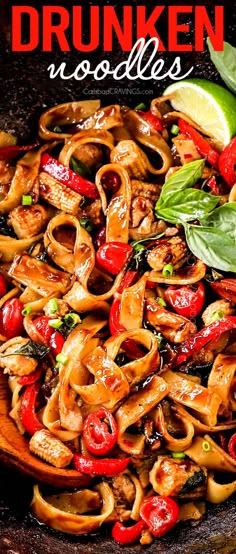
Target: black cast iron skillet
{"points": [[26, 91]]}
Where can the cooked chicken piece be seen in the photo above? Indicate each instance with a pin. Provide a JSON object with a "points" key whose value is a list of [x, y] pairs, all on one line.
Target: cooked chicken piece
{"points": [[149, 227], [169, 477], [128, 154], [28, 221], [146, 190], [171, 232], [175, 328], [142, 466], [6, 172], [123, 490], [94, 212], [90, 155], [140, 208], [186, 149], [172, 251], [62, 310], [223, 307], [17, 364]]}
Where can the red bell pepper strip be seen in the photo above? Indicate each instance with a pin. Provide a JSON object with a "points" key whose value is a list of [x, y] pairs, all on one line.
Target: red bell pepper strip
{"points": [[12, 318], [232, 446], [128, 535], [56, 343], [112, 256], [28, 415], [197, 341], [3, 286], [186, 300], [8, 152], [152, 119], [202, 145], [100, 432], [226, 288], [68, 177], [227, 162], [160, 513], [32, 377], [107, 466], [212, 184]]}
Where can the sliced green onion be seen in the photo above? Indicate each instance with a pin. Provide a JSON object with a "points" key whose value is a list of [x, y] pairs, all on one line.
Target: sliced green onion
{"points": [[26, 311], [168, 270], [141, 106], [159, 338], [217, 315], [174, 129], [26, 200], [57, 129], [161, 301], [61, 359], [178, 455], [80, 168], [53, 305], [55, 323], [87, 224], [72, 319], [206, 446]]}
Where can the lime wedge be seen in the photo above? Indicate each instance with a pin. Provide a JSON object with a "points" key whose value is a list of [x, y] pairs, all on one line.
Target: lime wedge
{"points": [[208, 104]]}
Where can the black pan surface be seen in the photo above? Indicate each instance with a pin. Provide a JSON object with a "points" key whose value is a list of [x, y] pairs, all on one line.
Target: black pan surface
{"points": [[26, 91]]}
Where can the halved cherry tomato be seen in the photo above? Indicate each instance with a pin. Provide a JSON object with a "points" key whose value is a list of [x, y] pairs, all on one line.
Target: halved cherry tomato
{"points": [[12, 318], [111, 256], [41, 324], [160, 513], [186, 300], [100, 432]]}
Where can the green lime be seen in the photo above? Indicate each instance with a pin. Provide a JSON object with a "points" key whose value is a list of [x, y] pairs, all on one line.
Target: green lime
{"points": [[208, 104]]}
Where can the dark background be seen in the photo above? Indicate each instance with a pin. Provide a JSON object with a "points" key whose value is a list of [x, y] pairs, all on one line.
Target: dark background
{"points": [[25, 91]]}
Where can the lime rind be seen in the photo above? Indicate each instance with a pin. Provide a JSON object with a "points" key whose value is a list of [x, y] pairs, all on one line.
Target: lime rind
{"points": [[208, 104]]}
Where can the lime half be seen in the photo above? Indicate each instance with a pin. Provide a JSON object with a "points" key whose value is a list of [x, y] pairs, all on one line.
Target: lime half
{"points": [[209, 105]]}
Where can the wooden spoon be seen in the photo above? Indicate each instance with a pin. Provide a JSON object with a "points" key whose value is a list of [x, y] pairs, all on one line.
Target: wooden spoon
{"points": [[14, 450]]}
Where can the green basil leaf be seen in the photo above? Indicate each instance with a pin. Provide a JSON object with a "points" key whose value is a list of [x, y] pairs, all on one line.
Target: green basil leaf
{"points": [[225, 63], [212, 246], [184, 178], [186, 205], [31, 349], [80, 168], [223, 218]]}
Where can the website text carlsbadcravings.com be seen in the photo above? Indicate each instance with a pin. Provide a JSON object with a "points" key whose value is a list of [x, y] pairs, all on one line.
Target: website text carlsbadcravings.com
{"points": [[135, 30]]}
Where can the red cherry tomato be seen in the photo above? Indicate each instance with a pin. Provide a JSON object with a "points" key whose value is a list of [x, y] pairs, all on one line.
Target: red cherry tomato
{"points": [[111, 256], [232, 446], [41, 324], [12, 318], [111, 182], [100, 432], [56, 343], [160, 513], [227, 163], [3, 286], [187, 300]]}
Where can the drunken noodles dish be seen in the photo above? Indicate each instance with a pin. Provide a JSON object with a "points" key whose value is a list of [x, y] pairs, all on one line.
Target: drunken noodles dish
{"points": [[118, 313]]}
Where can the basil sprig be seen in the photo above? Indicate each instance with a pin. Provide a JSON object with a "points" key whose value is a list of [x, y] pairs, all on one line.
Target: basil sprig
{"points": [[31, 349], [178, 202], [214, 240], [186, 205], [225, 63]]}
